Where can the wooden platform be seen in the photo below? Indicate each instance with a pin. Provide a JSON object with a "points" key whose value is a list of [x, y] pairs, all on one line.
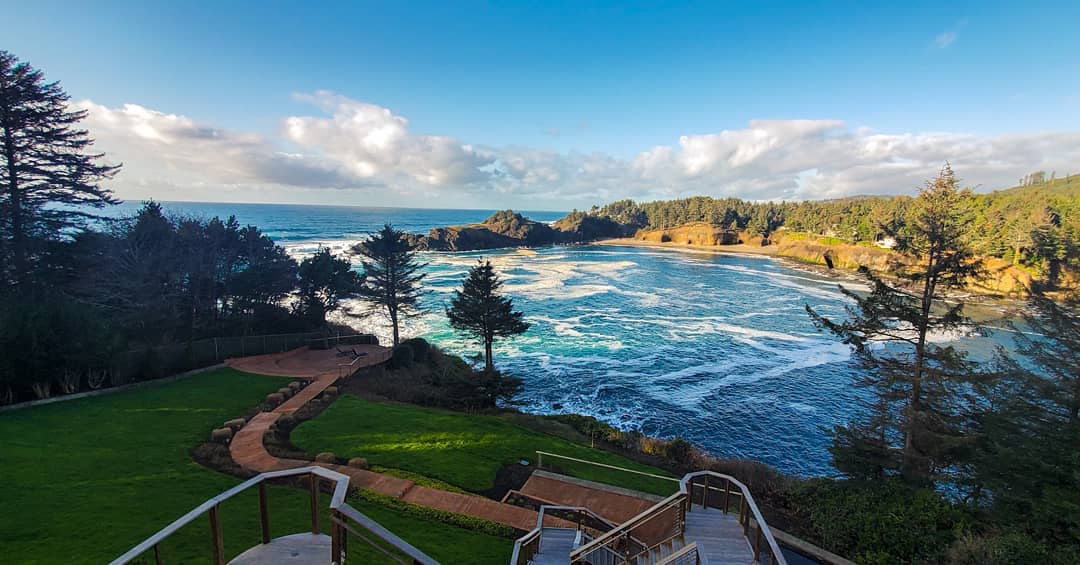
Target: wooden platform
{"points": [[294, 549], [719, 536]]}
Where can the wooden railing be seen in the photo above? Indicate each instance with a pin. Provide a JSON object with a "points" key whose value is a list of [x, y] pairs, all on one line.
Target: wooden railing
{"points": [[588, 524], [344, 518], [666, 520], [379, 356], [638, 536], [688, 555], [716, 492]]}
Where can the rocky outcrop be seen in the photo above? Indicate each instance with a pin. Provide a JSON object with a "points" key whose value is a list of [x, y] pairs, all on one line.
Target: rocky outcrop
{"points": [[510, 229]]}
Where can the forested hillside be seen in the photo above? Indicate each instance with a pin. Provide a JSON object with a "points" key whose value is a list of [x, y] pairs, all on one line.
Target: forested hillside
{"points": [[1035, 226]]}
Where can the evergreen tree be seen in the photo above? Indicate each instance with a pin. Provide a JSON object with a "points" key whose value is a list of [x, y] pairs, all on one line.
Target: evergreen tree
{"points": [[916, 384], [480, 309], [48, 175], [324, 281], [1031, 426], [392, 275]]}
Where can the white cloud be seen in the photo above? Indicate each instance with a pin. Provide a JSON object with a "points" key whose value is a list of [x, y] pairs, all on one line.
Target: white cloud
{"points": [[944, 39], [371, 152]]}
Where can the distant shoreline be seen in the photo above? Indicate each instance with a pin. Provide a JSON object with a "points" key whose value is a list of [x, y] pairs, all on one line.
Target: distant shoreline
{"points": [[739, 248]]}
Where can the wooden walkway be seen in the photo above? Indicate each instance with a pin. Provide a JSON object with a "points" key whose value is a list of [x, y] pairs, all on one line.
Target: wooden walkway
{"points": [[321, 369], [719, 536]]}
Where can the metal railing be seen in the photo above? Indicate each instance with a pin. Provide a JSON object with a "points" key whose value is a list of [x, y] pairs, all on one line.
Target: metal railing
{"points": [[343, 520]]}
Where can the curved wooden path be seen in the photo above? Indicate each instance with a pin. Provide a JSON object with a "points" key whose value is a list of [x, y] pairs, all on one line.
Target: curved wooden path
{"points": [[321, 369]]}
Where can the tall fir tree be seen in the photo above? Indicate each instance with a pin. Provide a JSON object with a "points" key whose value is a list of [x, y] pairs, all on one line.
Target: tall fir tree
{"points": [[480, 309], [1030, 426], [49, 177], [915, 422], [392, 276]]}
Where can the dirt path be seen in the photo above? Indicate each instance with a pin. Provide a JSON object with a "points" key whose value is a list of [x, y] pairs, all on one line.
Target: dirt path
{"points": [[248, 451]]}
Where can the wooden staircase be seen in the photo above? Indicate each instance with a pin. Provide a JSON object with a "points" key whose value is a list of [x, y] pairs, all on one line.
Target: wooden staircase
{"points": [[712, 519]]}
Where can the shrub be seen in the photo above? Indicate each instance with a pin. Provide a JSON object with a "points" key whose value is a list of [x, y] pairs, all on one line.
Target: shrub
{"points": [[402, 357], [678, 450], [880, 522], [992, 549], [421, 349]]}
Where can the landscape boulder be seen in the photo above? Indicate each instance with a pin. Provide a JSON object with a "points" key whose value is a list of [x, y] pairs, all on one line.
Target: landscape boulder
{"points": [[330, 391], [274, 398], [325, 457], [286, 421], [358, 462], [296, 385], [286, 392], [235, 423], [221, 435]]}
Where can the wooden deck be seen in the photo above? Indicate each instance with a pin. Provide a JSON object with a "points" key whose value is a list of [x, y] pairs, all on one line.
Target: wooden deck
{"points": [[294, 549], [719, 537]]}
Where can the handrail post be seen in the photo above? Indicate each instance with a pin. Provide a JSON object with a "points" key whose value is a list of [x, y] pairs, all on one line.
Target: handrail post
{"points": [[157, 554], [215, 536], [264, 514], [757, 542], [335, 537], [705, 493], [727, 494], [314, 487]]}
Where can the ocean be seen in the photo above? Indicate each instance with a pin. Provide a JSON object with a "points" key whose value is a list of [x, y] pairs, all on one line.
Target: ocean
{"points": [[716, 348]]}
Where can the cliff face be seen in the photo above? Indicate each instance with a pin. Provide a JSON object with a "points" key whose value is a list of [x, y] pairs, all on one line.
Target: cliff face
{"points": [[699, 233], [999, 277]]}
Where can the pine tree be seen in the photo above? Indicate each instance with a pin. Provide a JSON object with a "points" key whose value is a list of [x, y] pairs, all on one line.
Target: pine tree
{"points": [[480, 309], [392, 276], [1031, 425], [49, 178], [918, 381]]}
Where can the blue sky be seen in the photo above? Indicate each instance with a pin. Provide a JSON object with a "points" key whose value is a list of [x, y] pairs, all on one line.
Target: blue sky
{"points": [[555, 105]]}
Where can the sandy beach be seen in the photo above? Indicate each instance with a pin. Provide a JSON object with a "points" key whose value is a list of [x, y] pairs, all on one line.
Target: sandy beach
{"points": [[742, 248]]}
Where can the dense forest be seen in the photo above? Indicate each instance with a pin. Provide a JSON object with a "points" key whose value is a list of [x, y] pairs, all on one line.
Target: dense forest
{"points": [[1035, 226]]}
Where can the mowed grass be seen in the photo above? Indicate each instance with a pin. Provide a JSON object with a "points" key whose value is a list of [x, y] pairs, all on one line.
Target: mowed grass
{"points": [[465, 450], [83, 481], [445, 543]]}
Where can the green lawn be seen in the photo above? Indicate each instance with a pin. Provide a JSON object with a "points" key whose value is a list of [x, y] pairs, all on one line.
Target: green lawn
{"points": [[85, 480], [464, 450], [447, 544]]}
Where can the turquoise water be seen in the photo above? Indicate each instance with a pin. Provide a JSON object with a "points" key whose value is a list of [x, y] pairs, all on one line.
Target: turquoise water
{"points": [[715, 348]]}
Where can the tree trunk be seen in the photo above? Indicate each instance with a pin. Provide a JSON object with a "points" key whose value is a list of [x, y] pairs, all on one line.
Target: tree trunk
{"points": [[912, 466], [488, 365], [394, 322], [18, 235]]}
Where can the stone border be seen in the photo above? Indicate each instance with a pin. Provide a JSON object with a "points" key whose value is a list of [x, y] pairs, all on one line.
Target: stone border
{"points": [[109, 390]]}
